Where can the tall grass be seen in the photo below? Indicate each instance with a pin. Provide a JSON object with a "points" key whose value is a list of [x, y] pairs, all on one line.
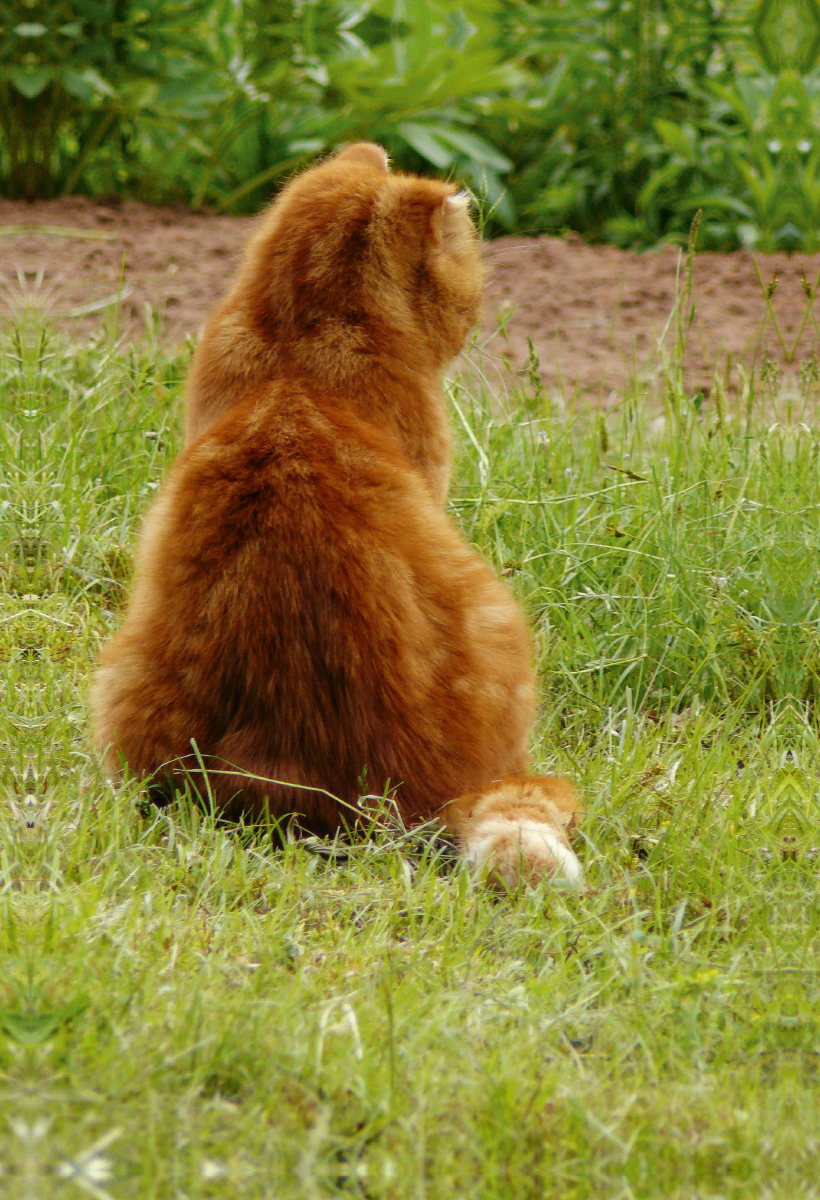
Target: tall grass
{"points": [[188, 1011]]}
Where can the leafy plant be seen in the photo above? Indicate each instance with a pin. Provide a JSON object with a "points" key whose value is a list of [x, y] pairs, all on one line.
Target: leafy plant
{"points": [[213, 102], [650, 110], [616, 119], [78, 75]]}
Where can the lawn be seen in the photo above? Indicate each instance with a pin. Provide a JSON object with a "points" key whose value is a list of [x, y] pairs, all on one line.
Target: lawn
{"points": [[188, 1011]]}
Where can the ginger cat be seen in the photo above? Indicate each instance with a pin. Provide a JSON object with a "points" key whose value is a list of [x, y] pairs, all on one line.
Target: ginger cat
{"points": [[303, 608]]}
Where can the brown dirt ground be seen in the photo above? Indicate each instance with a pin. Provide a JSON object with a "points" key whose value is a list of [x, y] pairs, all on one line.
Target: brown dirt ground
{"points": [[593, 313]]}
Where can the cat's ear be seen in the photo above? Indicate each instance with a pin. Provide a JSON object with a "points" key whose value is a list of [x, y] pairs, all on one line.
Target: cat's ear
{"points": [[451, 221], [366, 153]]}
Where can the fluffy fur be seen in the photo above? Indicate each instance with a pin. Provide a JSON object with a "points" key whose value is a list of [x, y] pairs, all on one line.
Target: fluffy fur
{"points": [[304, 610]]}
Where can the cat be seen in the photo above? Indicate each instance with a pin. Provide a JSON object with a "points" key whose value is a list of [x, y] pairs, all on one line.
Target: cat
{"points": [[304, 613]]}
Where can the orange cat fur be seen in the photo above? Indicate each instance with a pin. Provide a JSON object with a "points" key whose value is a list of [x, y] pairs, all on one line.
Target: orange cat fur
{"points": [[303, 607]]}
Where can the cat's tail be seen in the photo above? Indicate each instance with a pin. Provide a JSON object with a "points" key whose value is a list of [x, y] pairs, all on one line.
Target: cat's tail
{"points": [[518, 829]]}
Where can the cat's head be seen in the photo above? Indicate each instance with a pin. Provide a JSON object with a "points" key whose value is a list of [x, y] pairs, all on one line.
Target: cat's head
{"points": [[354, 261]]}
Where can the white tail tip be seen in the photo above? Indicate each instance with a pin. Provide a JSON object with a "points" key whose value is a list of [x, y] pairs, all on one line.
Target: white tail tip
{"points": [[521, 850]]}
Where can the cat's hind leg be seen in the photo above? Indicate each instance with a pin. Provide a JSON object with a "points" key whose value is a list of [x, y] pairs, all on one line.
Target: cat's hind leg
{"points": [[517, 829]]}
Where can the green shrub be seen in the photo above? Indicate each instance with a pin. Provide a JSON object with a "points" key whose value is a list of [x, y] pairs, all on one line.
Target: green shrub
{"points": [[616, 118], [186, 99], [650, 110], [78, 77]]}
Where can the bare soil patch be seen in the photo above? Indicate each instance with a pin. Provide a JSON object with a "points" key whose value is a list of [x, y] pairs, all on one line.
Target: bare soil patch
{"points": [[593, 314]]}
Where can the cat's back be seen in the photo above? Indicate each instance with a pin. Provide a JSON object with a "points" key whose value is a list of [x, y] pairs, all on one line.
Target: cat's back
{"points": [[288, 483], [299, 561]]}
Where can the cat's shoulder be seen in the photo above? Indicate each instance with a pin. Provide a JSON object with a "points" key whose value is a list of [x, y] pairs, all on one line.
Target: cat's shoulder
{"points": [[302, 448]]}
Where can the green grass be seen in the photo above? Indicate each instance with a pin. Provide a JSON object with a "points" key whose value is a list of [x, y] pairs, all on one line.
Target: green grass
{"points": [[189, 1013]]}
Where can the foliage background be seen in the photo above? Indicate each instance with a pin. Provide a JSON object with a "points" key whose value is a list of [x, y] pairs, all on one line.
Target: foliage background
{"points": [[616, 118]]}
